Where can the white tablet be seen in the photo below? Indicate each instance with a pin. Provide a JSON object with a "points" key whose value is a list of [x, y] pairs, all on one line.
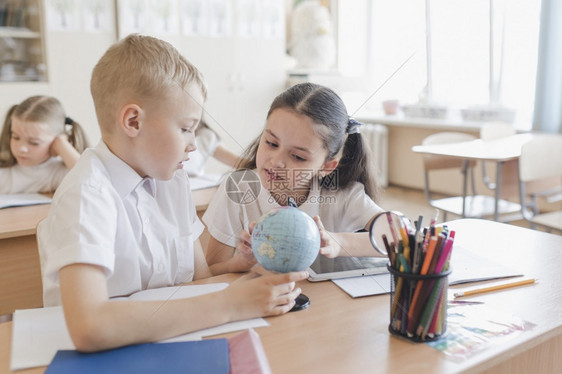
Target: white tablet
{"points": [[325, 268]]}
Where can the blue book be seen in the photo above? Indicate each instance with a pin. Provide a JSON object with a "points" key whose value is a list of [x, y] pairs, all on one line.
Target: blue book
{"points": [[204, 356]]}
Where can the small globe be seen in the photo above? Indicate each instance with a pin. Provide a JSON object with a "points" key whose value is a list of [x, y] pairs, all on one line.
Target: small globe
{"points": [[285, 240]]}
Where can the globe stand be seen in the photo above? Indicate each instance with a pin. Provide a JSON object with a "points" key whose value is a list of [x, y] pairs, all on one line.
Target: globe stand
{"points": [[301, 303]]}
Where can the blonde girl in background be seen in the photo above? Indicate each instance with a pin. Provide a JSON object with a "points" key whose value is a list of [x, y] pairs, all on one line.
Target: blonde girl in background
{"points": [[38, 145], [312, 152]]}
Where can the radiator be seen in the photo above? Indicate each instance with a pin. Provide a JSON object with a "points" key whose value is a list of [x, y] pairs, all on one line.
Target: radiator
{"points": [[376, 137]]}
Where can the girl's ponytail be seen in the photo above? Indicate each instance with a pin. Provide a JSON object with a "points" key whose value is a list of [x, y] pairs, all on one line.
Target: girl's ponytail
{"points": [[7, 159], [76, 135], [355, 164]]}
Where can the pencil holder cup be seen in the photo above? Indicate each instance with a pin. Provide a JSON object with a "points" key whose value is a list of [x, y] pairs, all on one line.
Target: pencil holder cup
{"points": [[418, 305]]}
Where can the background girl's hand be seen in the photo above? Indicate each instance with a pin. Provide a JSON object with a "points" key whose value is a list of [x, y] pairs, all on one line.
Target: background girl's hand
{"points": [[58, 144], [255, 295], [329, 245], [62, 147]]}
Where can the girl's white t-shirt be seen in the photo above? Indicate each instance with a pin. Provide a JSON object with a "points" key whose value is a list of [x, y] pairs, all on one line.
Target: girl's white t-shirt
{"points": [[241, 199], [44, 177]]}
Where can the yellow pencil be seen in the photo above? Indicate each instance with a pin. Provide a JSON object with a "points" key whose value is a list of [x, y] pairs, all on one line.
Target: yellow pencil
{"points": [[495, 287]]}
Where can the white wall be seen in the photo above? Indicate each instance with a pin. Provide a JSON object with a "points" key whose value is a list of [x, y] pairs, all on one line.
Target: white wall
{"points": [[243, 74], [70, 59]]}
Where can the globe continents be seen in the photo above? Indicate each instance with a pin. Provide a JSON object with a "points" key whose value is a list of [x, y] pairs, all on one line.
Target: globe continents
{"points": [[285, 239]]}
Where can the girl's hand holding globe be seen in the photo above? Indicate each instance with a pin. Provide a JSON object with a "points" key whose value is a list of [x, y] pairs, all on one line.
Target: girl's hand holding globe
{"points": [[245, 259], [285, 240]]}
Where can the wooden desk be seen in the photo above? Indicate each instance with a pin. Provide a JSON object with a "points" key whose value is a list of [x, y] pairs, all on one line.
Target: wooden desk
{"points": [[203, 197], [20, 271], [338, 334], [500, 151]]}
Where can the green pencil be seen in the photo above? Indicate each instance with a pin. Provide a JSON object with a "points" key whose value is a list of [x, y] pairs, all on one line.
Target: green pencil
{"points": [[430, 307]]}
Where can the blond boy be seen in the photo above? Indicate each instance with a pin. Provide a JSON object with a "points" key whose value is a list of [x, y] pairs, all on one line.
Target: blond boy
{"points": [[124, 220]]}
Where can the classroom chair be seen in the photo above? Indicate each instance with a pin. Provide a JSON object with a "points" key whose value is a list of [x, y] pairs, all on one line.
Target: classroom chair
{"points": [[466, 204], [492, 131], [540, 176]]}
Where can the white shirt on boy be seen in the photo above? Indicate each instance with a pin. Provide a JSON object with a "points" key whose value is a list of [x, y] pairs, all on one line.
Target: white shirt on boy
{"points": [[140, 231]]}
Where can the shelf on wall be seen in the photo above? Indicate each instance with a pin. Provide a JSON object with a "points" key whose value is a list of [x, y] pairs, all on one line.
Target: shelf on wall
{"points": [[18, 32]]}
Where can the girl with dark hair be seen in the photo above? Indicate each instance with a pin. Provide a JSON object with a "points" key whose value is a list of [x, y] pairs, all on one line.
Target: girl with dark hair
{"points": [[310, 152]]}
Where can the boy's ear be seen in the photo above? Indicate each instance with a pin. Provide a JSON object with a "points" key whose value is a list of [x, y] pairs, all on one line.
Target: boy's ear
{"points": [[329, 166], [131, 119]]}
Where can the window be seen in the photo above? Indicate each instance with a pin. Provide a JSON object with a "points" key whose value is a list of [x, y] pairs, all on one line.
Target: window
{"points": [[459, 53]]}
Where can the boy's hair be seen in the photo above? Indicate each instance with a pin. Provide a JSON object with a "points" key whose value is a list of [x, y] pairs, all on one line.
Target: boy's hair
{"points": [[43, 109], [326, 109], [138, 67]]}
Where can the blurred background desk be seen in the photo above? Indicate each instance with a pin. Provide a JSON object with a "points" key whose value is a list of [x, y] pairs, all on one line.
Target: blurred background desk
{"points": [[312, 340], [20, 273], [202, 198], [500, 151]]}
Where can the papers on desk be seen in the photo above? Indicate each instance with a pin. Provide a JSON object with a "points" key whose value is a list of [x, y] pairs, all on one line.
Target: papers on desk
{"points": [[39, 333], [12, 200], [370, 285], [205, 181], [469, 267], [466, 265]]}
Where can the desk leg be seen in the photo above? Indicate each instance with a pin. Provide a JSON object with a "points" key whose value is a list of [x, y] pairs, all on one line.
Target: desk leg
{"points": [[498, 191], [464, 186]]}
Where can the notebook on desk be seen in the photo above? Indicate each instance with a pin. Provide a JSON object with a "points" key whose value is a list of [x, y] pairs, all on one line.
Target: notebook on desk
{"points": [[39, 333], [467, 267], [203, 356], [13, 200]]}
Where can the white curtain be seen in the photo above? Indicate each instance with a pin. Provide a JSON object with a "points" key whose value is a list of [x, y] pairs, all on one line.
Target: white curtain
{"points": [[548, 96]]}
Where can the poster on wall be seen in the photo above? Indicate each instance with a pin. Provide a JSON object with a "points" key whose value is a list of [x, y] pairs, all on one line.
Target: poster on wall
{"points": [[220, 18], [273, 19], [97, 15], [249, 24], [164, 17], [133, 17], [194, 17], [260, 19], [63, 15], [206, 17], [149, 17], [80, 15]]}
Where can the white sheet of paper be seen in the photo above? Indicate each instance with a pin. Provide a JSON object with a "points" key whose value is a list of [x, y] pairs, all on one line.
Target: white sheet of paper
{"points": [[169, 293], [39, 333], [366, 285], [468, 267], [205, 181], [22, 199]]}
